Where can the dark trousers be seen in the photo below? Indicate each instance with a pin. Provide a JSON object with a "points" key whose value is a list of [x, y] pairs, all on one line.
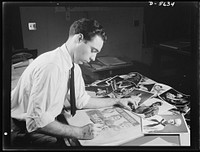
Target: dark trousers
{"points": [[20, 138]]}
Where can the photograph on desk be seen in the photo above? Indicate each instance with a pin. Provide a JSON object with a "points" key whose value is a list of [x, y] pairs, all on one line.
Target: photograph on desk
{"points": [[146, 87], [145, 80], [134, 77], [101, 87], [114, 87], [176, 98], [164, 124], [179, 100], [101, 83], [159, 88], [151, 107], [141, 95], [146, 83]]}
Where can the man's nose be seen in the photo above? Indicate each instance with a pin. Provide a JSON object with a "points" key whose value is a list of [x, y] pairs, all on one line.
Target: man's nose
{"points": [[93, 57]]}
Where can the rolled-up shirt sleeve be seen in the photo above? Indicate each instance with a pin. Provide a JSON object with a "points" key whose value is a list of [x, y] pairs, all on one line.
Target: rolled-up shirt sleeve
{"points": [[45, 101]]}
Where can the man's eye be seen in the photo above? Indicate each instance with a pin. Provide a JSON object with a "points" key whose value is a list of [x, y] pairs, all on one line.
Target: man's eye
{"points": [[94, 51]]}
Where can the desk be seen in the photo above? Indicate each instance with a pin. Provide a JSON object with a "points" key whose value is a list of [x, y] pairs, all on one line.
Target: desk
{"points": [[130, 137], [134, 134]]}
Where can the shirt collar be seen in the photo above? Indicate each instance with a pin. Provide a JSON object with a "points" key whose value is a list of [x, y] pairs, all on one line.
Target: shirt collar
{"points": [[65, 54]]}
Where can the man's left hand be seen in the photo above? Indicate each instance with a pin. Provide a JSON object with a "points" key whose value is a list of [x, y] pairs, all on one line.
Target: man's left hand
{"points": [[129, 103]]}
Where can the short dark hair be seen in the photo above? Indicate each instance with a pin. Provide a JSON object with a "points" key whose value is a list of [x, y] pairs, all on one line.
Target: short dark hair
{"points": [[89, 28]]}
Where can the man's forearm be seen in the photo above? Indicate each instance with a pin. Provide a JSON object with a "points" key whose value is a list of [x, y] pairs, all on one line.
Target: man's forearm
{"points": [[58, 129]]}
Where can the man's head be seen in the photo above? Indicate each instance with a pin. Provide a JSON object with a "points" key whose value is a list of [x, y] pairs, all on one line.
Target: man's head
{"points": [[88, 37], [89, 28]]}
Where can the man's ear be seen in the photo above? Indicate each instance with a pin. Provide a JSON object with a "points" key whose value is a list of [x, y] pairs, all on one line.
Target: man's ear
{"points": [[80, 37]]}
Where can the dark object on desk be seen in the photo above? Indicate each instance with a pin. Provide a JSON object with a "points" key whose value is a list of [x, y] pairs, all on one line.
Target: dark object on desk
{"points": [[107, 63], [23, 55], [111, 61]]}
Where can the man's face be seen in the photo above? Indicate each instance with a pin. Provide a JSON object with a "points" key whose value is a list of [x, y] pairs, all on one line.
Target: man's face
{"points": [[87, 51]]}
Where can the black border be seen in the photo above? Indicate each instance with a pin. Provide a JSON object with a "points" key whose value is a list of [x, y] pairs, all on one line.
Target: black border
{"points": [[6, 11]]}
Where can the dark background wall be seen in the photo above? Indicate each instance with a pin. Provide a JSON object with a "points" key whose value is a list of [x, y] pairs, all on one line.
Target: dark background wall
{"points": [[132, 29], [124, 38], [167, 23]]}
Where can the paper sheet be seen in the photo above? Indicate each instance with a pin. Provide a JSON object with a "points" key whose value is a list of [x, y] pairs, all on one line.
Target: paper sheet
{"points": [[110, 136]]}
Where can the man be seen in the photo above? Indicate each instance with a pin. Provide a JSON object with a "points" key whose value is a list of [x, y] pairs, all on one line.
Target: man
{"points": [[43, 90]]}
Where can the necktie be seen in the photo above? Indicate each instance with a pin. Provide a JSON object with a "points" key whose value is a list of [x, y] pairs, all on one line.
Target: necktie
{"points": [[72, 93]]}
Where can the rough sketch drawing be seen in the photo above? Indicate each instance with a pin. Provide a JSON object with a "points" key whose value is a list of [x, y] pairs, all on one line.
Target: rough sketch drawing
{"points": [[112, 118]]}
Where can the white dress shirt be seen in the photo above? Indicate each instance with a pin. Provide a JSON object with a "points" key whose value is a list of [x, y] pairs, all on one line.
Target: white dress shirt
{"points": [[43, 89]]}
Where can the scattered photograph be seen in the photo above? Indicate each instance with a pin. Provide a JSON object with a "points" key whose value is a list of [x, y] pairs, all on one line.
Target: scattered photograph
{"points": [[151, 107], [175, 98], [159, 88], [142, 95], [146, 81], [146, 87], [164, 124], [134, 77]]}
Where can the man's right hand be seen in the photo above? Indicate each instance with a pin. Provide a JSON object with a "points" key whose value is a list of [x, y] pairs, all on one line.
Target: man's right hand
{"points": [[90, 131]]}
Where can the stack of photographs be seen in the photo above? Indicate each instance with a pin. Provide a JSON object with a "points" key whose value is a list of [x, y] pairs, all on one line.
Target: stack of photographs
{"points": [[153, 98], [117, 86]]}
